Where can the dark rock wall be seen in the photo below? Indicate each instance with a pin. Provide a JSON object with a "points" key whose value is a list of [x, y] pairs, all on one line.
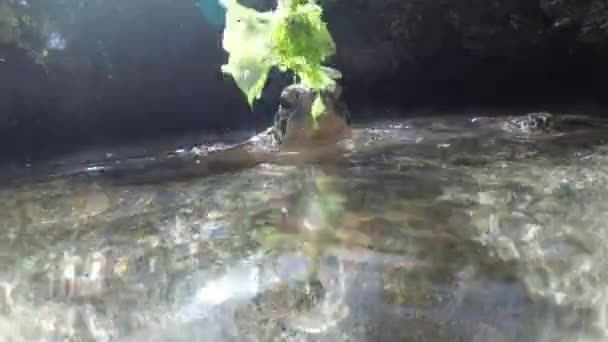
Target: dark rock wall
{"points": [[467, 51], [135, 69]]}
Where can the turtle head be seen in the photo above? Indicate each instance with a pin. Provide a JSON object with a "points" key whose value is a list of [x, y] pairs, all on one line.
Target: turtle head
{"points": [[294, 125], [541, 121]]}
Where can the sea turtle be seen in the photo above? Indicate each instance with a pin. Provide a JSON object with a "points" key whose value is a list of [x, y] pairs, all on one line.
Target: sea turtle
{"points": [[293, 136], [537, 123], [294, 128], [530, 123]]}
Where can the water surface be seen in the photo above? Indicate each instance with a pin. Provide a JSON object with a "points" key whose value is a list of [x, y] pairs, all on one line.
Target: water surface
{"points": [[429, 229]]}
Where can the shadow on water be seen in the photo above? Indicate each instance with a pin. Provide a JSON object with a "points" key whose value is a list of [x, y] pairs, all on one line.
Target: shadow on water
{"points": [[424, 230]]}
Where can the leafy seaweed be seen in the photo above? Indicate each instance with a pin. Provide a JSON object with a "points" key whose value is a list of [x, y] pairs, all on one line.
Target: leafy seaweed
{"points": [[247, 41], [301, 42], [292, 37]]}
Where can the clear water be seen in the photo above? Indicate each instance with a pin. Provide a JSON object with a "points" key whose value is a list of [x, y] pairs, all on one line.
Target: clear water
{"points": [[434, 229]]}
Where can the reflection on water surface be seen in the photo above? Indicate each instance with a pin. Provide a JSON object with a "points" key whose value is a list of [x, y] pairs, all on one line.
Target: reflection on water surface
{"points": [[432, 229]]}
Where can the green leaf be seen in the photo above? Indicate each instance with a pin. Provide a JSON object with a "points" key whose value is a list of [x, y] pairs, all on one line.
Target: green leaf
{"points": [[318, 108], [293, 37], [301, 43], [247, 41]]}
